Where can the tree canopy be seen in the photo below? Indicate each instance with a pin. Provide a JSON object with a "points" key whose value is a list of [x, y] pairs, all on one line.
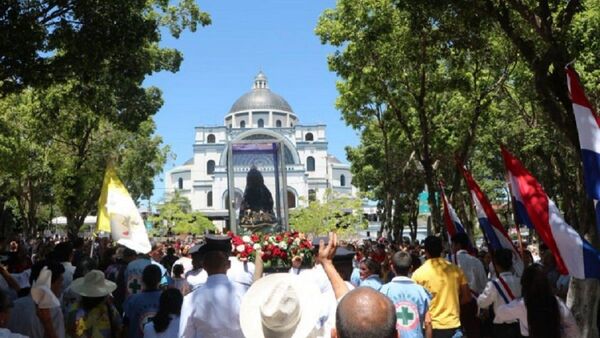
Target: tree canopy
{"points": [[335, 213], [176, 217], [433, 84], [73, 72]]}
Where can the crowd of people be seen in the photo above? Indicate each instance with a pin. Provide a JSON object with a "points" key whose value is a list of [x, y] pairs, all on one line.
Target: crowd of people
{"points": [[60, 288]]}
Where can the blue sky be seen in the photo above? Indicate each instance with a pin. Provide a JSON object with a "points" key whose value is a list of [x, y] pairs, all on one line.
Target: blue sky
{"points": [[221, 60]]}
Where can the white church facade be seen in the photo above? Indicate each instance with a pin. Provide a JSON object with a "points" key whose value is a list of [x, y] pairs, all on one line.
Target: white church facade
{"points": [[259, 115]]}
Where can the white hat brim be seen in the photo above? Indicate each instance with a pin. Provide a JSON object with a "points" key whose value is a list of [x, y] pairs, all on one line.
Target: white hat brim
{"points": [[309, 296], [79, 287]]}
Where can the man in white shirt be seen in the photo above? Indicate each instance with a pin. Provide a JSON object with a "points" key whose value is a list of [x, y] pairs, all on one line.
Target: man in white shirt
{"points": [[471, 265], [502, 290], [213, 309], [197, 276], [476, 277], [241, 272]]}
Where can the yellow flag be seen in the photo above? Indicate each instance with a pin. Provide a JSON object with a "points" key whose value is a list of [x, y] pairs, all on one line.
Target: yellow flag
{"points": [[118, 214]]}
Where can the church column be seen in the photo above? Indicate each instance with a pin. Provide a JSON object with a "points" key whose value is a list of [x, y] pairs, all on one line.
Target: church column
{"points": [[271, 119], [250, 120], [233, 125]]}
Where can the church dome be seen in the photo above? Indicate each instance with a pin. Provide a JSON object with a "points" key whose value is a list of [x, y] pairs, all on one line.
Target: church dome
{"points": [[260, 97]]}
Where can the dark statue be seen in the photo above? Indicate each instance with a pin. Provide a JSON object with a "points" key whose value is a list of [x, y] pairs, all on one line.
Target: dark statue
{"points": [[256, 210]]}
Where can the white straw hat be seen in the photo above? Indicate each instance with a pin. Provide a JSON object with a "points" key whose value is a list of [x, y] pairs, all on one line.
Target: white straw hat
{"points": [[280, 305], [93, 284]]}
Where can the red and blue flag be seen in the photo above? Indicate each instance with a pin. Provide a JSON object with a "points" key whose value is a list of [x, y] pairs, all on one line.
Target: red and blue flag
{"points": [[573, 254]]}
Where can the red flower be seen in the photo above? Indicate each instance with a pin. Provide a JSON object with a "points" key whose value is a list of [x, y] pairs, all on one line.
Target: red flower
{"points": [[236, 240], [255, 238], [230, 233], [278, 238], [249, 250]]}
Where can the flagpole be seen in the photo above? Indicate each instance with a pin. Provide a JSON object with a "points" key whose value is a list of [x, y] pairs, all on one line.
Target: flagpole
{"points": [[514, 209]]}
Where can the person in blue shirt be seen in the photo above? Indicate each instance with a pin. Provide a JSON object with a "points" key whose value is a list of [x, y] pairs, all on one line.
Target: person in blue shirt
{"points": [[410, 299], [139, 308], [369, 274]]}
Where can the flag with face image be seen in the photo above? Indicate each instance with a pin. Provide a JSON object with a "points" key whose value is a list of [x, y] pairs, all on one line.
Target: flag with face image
{"points": [[118, 214]]}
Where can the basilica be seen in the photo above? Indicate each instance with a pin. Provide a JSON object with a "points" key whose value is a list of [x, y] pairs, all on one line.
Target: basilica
{"points": [[259, 115]]}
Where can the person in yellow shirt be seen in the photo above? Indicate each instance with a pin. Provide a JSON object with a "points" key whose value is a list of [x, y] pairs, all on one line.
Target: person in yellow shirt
{"points": [[449, 289]]}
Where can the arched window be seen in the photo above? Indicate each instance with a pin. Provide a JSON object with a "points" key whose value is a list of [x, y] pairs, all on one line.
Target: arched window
{"points": [[209, 202], [310, 163], [261, 123], [291, 200], [180, 183], [312, 195], [210, 167], [309, 137], [342, 180], [278, 123], [243, 124], [210, 138]]}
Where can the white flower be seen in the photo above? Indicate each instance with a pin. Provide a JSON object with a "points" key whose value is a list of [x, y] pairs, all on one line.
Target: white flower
{"points": [[265, 243], [296, 241], [256, 246], [246, 239], [282, 245], [240, 248]]}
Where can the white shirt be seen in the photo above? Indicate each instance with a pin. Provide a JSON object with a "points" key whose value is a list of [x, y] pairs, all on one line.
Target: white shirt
{"points": [[171, 331], [241, 272], [22, 278], [68, 275], [196, 278], [491, 296], [473, 269], [318, 276], [212, 310], [186, 262], [517, 310], [5, 333], [24, 320], [329, 307]]}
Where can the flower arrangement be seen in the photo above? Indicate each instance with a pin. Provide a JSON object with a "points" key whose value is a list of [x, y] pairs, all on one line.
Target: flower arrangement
{"points": [[278, 250]]}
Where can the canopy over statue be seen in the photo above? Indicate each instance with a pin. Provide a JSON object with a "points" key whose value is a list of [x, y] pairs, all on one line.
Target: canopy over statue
{"points": [[258, 168]]}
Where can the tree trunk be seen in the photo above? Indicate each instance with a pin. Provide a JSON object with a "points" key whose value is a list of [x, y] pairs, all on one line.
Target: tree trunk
{"points": [[398, 227], [433, 205], [582, 299]]}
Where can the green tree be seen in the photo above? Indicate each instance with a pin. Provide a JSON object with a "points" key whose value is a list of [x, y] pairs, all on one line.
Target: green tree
{"points": [[87, 62], [176, 215], [337, 213], [25, 171], [399, 68], [62, 161], [109, 44]]}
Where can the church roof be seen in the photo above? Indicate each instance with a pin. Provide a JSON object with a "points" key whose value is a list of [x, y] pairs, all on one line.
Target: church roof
{"points": [[190, 161], [333, 159], [260, 97]]}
